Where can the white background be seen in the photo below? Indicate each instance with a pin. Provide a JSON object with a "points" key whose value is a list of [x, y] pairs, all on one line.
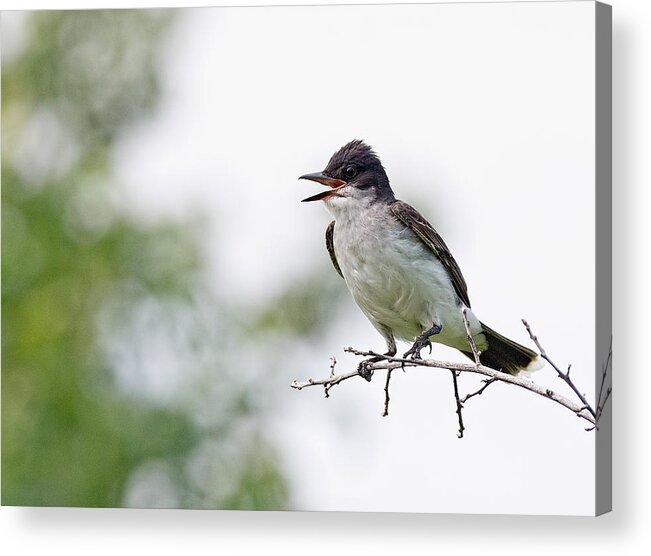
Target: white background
{"points": [[320, 532]]}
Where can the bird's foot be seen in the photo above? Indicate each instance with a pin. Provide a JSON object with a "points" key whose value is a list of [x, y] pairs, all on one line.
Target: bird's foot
{"points": [[364, 371], [422, 341], [414, 351]]}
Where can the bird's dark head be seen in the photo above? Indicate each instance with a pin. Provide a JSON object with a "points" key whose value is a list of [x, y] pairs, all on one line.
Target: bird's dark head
{"points": [[354, 172]]}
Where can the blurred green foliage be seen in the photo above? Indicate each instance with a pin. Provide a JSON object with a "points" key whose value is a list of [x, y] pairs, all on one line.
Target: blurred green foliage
{"points": [[304, 310], [72, 433]]}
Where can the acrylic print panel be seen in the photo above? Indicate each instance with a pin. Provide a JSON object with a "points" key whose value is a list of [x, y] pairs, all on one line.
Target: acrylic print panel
{"points": [[163, 285]]}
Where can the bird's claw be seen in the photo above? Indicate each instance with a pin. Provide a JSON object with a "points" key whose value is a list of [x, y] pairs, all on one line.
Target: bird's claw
{"points": [[414, 351], [364, 371]]}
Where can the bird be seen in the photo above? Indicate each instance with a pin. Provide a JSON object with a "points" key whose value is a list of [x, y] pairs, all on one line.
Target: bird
{"points": [[399, 270]]}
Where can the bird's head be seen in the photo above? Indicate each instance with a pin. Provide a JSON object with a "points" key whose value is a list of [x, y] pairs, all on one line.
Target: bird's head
{"points": [[353, 174]]}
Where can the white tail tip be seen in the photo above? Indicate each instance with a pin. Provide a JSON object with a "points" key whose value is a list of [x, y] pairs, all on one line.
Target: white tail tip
{"points": [[532, 367]]}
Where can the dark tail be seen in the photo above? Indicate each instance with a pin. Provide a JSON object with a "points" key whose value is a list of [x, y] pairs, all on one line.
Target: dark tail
{"points": [[503, 354]]}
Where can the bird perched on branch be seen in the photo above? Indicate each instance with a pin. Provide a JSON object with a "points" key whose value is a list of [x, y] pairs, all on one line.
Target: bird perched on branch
{"points": [[399, 271]]}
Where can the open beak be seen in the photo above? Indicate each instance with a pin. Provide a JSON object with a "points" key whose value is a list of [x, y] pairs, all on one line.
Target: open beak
{"points": [[320, 177]]}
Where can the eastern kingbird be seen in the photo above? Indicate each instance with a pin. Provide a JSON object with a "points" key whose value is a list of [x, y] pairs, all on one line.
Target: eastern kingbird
{"points": [[398, 269]]}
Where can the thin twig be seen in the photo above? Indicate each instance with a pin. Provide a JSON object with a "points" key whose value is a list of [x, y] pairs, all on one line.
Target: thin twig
{"points": [[327, 383], [600, 408], [355, 351], [487, 382], [386, 393], [564, 376], [604, 372], [475, 352], [459, 404]]}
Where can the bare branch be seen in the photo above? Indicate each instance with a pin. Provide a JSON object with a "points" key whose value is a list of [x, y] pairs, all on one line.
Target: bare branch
{"points": [[476, 353], [386, 393], [459, 404], [388, 362], [600, 407], [601, 398], [327, 383], [487, 382], [564, 376]]}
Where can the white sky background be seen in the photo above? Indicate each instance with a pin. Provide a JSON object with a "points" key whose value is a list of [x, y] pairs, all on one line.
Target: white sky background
{"points": [[484, 118]]}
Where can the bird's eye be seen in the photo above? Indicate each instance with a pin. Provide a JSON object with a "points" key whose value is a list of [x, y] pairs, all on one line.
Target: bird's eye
{"points": [[350, 171]]}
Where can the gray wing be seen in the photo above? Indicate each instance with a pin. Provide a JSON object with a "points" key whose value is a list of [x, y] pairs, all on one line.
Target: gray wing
{"points": [[330, 246], [430, 237]]}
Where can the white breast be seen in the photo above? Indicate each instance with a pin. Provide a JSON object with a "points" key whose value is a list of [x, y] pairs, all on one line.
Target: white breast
{"points": [[393, 277]]}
